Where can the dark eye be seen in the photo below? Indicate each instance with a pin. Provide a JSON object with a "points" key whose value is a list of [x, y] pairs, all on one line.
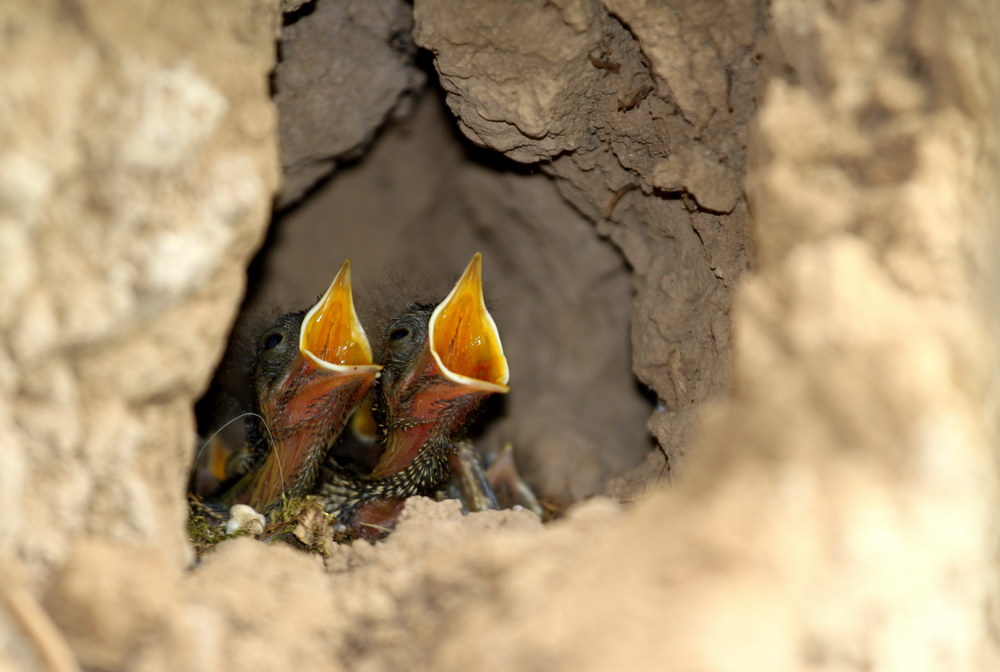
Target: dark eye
{"points": [[272, 341], [398, 334]]}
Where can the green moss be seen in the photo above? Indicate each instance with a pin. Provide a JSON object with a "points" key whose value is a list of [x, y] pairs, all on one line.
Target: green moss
{"points": [[203, 534]]}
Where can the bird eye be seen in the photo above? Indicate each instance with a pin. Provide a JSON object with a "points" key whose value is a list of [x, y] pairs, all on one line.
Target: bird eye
{"points": [[272, 341], [398, 334]]}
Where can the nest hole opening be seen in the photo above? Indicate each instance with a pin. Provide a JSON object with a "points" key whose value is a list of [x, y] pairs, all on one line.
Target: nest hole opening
{"points": [[580, 311]]}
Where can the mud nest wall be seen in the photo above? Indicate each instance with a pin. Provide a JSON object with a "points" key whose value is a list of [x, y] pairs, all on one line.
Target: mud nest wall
{"points": [[833, 409], [617, 177]]}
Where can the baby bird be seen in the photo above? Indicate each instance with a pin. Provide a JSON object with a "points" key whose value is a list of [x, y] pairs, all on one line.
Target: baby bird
{"points": [[311, 371], [440, 364]]}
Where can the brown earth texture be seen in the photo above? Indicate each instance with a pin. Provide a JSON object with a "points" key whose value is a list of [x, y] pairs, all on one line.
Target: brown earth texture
{"points": [[742, 255]]}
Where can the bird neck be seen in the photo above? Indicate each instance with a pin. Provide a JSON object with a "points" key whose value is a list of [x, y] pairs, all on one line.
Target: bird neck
{"points": [[302, 420], [422, 408], [344, 491]]}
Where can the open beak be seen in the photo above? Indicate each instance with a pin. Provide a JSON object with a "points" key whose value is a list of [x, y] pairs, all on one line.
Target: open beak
{"points": [[461, 364], [332, 337], [464, 340], [307, 410], [334, 355]]}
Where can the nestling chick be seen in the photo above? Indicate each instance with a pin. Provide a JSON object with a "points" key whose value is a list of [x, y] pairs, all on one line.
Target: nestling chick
{"points": [[311, 370], [440, 364]]}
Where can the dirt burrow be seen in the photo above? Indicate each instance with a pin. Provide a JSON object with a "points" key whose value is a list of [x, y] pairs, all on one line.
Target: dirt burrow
{"points": [[837, 499]]}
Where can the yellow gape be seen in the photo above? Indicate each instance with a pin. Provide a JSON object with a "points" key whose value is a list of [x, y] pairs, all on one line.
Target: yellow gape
{"points": [[463, 336], [331, 332]]}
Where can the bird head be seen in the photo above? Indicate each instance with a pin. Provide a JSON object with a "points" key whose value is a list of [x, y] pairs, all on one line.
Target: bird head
{"points": [[311, 370], [440, 362]]}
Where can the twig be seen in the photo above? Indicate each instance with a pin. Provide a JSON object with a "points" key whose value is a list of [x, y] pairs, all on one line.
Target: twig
{"points": [[617, 197]]}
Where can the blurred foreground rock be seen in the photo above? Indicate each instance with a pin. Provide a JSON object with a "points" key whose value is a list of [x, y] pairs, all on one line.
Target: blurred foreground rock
{"points": [[137, 165]]}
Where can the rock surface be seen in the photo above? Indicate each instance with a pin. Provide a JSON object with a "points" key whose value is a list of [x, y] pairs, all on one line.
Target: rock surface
{"points": [[137, 168], [345, 67], [630, 106], [838, 506]]}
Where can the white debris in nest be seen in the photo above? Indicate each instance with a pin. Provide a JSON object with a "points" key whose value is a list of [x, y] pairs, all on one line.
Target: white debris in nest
{"points": [[245, 518]]}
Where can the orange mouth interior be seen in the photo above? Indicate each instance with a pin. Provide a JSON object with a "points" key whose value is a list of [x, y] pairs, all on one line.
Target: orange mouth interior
{"points": [[464, 338], [331, 331]]}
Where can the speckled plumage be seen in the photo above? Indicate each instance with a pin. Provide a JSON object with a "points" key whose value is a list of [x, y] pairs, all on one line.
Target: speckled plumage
{"points": [[403, 343], [344, 492]]}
